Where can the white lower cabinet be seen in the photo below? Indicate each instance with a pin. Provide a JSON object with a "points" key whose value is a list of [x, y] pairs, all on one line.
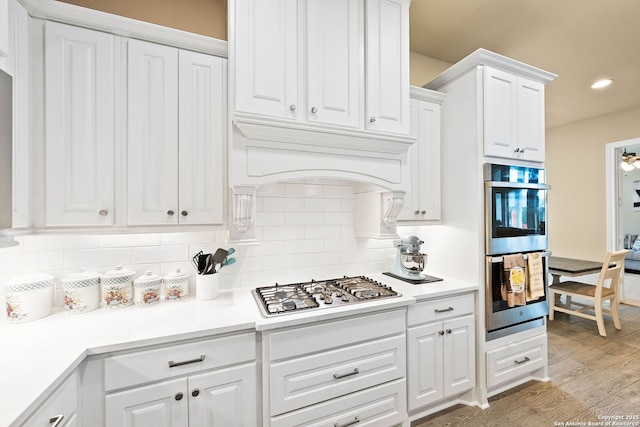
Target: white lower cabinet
{"points": [[202, 383], [441, 350], [225, 397], [60, 409], [341, 372], [516, 360]]}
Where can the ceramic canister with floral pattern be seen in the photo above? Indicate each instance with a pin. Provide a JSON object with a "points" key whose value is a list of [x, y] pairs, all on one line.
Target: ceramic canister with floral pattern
{"points": [[117, 288], [147, 289], [176, 285], [29, 297], [81, 291]]}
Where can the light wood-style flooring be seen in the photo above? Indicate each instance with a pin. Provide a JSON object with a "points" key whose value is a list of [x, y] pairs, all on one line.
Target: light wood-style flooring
{"points": [[591, 377]]}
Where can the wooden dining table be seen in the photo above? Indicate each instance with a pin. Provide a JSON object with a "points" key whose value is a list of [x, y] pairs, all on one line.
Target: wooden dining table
{"points": [[571, 267]]}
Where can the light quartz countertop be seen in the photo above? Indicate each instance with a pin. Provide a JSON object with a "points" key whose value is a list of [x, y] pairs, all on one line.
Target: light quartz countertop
{"points": [[36, 356]]}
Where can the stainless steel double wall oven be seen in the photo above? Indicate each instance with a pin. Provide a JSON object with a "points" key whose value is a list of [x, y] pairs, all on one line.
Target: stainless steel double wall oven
{"points": [[515, 222]]}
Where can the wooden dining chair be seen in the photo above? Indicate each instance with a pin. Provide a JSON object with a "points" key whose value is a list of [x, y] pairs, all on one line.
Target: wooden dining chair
{"points": [[605, 290]]}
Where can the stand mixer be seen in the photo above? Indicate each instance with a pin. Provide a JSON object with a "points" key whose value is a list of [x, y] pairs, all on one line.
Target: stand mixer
{"points": [[409, 261]]}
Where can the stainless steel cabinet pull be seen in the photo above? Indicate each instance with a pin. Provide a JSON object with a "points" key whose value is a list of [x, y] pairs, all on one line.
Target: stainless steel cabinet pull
{"points": [[520, 362], [314, 110], [103, 212], [184, 213], [348, 374], [372, 119], [195, 392], [424, 212], [170, 213], [292, 107], [356, 420], [173, 364], [417, 212], [522, 150], [448, 331], [444, 310], [517, 150], [179, 396], [55, 421], [441, 332]]}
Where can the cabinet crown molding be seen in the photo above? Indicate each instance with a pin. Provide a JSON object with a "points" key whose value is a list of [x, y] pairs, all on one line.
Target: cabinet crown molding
{"points": [[490, 59]]}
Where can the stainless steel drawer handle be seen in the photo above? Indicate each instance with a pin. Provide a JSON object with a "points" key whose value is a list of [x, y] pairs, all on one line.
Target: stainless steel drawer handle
{"points": [[173, 364], [55, 421], [520, 362], [444, 310], [348, 374], [356, 420]]}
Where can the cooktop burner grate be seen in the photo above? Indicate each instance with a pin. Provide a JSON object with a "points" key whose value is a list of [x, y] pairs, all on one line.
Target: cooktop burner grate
{"points": [[296, 297]]}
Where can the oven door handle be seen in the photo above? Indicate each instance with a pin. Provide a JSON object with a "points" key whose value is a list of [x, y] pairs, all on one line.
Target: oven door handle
{"points": [[495, 259], [528, 186]]}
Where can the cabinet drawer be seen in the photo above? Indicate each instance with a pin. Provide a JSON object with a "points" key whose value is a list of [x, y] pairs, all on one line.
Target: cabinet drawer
{"points": [[384, 405], [515, 360], [440, 309], [63, 402], [334, 334], [319, 377], [140, 367]]}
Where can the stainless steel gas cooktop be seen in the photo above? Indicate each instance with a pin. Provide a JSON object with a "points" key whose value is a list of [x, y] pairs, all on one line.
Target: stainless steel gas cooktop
{"points": [[298, 297]]}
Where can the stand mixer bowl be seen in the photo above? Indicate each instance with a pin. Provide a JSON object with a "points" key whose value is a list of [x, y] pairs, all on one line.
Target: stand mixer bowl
{"points": [[413, 263]]}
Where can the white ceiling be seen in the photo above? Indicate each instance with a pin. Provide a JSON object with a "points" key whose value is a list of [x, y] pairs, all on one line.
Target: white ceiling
{"points": [[579, 40]]}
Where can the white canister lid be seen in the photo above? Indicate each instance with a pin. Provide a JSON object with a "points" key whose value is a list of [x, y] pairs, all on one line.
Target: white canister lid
{"points": [[176, 274], [29, 282], [148, 277], [81, 276], [118, 272]]}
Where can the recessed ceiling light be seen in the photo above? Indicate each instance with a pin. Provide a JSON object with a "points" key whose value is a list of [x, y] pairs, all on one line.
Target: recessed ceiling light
{"points": [[601, 83]]}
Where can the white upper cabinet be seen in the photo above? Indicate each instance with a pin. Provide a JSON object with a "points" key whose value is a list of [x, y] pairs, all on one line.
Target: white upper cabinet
{"points": [[306, 63], [152, 140], [513, 116], [266, 34], [387, 59], [422, 201], [79, 126], [334, 62], [176, 136], [201, 137]]}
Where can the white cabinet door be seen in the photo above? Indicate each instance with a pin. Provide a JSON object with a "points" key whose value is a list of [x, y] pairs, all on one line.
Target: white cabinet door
{"points": [[459, 355], [531, 120], [17, 64], [163, 404], [202, 137], [387, 65], [266, 58], [152, 137], [425, 376], [513, 116], [422, 202], [79, 126], [334, 62], [224, 398]]}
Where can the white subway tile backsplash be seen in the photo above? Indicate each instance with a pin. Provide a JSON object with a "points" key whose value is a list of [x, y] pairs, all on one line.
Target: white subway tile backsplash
{"points": [[37, 243], [283, 204], [172, 253], [322, 231], [304, 229], [304, 218], [128, 240], [303, 190], [94, 258]]}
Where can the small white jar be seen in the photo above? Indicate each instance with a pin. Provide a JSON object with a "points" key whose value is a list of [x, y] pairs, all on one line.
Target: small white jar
{"points": [[176, 285], [147, 289], [29, 297], [81, 291], [117, 288]]}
